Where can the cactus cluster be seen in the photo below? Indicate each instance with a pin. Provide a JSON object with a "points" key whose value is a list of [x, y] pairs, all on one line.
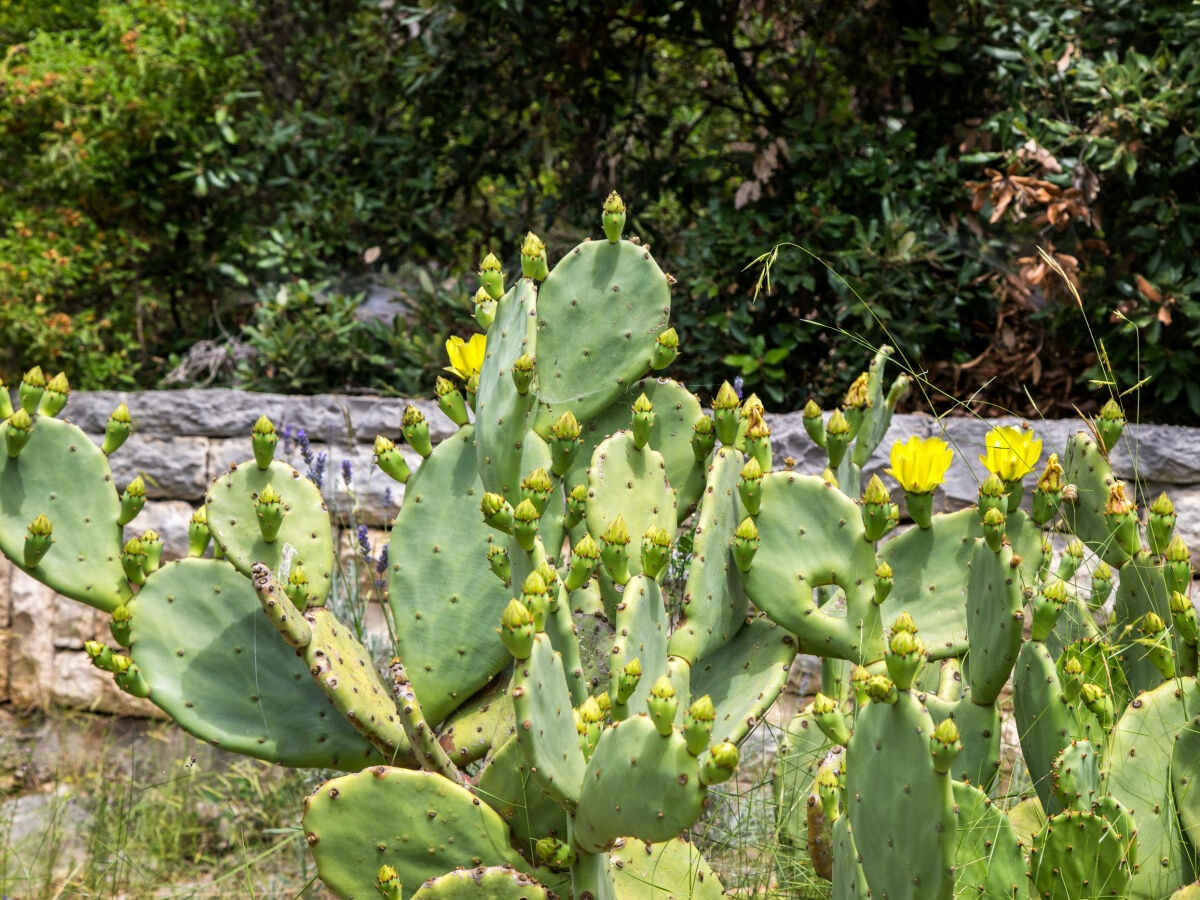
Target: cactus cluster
{"points": [[549, 726]]}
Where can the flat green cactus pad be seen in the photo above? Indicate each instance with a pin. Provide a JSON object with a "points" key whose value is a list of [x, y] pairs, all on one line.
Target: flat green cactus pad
{"points": [[599, 313], [216, 666], [1185, 780], [988, 861], [61, 474], [419, 823], [482, 883], [445, 602], [671, 869], [304, 536], [1087, 468], [1079, 856], [641, 633], [508, 786], [1142, 590]]}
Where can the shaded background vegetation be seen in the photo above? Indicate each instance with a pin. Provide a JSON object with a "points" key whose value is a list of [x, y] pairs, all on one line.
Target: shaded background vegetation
{"points": [[235, 170]]}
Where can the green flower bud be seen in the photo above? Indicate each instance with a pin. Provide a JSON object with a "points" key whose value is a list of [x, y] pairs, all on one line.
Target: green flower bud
{"points": [[55, 397], [485, 308], [1183, 615], [1160, 524], [554, 854], [522, 373], [154, 549], [585, 557], [117, 429], [837, 438], [613, 218], [29, 393], [1071, 560], [814, 424], [993, 528], [198, 533], [297, 587], [100, 655], [1101, 585], [1110, 424], [534, 264], [719, 764], [576, 506], [876, 509], [450, 401], [536, 488], [704, 438], [37, 540], [643, 421], [881, 689], [829, 718], [1099, 703], [387, 883], [859, 676], [945, 745], [663, 705], [904, 656], [627, 680], [1177, 567], [6, 407], [564, 443], [133, 561], [666, 348], [1047, 496], [391, 460], [745, 543], [614, 550], [536, 598], [491, 276], [120, 624], [656, 551], [1120, 514], [269, 508], [263, 441], [750, 486], [497, 512], [525, 524], [698, 725], [1047, 605], [499, 563], [416, 430], [883, 582], [517, 630], [725, 414], [133, 499], [18, 432]]}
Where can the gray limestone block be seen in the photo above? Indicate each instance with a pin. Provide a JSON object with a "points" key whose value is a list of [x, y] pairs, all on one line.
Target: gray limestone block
{"points": [[1164, 453], [175, 468]]}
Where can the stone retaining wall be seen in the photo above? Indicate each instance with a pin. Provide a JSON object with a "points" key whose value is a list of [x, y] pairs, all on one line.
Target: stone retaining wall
{"points": [[184, 439]]}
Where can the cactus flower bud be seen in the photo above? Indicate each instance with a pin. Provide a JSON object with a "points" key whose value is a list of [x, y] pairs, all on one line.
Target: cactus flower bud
{"points": [[498, 562], [576, 506], [497, 512], [387, 883], [613, 217], [945, 745], [450, 401], [536, 488], [1101, 585], [1071, 560], [1120, 515], [534, 264], [555, 854], [564, 443], [814, 424], [829, 718], [198, 533], [750, 486], [585, 556], [525, 524], [133, 561], [6, 407], [1160, 524], [666, 348], [881, 689], [859, 675], [627, 680], [663, 705], [263, 441], [1109, 425], [837, 437], [719, 764], [876, 506], [16, 436], [1047, 496], [590, 719], [491, 276], [1098, 703], [100, 655], [517, 630], [485, 308], [133, 499], [55, 397], [154, 549], [745, 543], [37, 540], [297, 587], [391, 460], [120, 623], [269, 508], [725, 414], [758, 439], [1048, 604], [884, 581], [522, 373], [1183, 615], [416, 430], [1177, 566], [856, 403], [656, 551], [642, 421], [904, 656], [698, 725], [704, 438], [614, 550], [535, 597], [29, 393], [1157, 644], [993, 528], [117, 429]]}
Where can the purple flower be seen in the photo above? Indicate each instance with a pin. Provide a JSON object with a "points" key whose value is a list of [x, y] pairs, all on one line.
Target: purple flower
{"points": [[381, 564], [306, 452], [347, 472], [317, 470], [364, 541], [387, 497], [737, 386]]}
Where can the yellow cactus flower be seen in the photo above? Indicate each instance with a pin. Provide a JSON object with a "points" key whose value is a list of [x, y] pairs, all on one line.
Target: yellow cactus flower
{"points": [[466, 357], [920, 464], [1011, 452]]}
